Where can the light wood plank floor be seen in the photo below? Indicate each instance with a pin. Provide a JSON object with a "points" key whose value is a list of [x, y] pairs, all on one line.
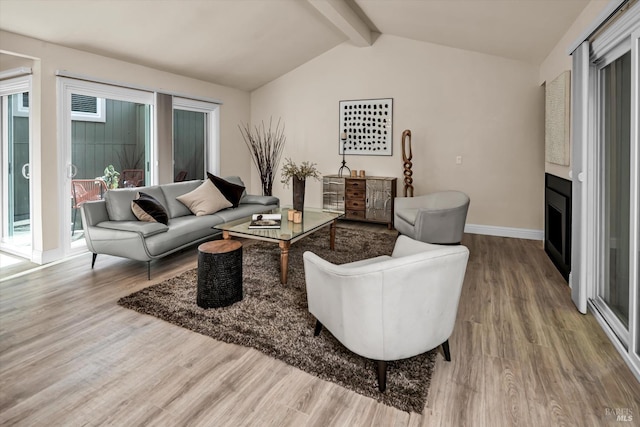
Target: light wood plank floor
{"points": [[521, 355]]}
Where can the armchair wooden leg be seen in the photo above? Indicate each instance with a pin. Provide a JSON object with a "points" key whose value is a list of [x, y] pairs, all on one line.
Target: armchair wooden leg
{"points": [[93, 260], [382, 375], [445, 348], [318, 328]]}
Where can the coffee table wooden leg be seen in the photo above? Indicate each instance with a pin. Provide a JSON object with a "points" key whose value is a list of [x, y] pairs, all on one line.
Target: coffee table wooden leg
{"points": [[226, 235], [332, 234], [284, 261]]}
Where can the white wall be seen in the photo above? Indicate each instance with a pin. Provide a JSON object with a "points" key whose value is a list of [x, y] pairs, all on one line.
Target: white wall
{"points": [[487, 109], [559, 61], [47, 58]]}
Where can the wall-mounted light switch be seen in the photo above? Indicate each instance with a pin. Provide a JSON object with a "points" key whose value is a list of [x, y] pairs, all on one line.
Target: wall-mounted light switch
{"points": [[458, 160]]}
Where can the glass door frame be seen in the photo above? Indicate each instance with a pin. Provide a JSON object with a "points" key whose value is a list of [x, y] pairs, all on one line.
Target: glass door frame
{"points": [[10, 87], [67, 86]]}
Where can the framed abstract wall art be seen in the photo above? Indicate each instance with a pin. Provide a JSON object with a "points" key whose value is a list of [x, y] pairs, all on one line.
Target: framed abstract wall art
{"points": [[366, 127]]}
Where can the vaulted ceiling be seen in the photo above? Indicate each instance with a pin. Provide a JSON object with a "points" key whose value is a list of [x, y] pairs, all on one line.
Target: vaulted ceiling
{"points": [[247, 43]]}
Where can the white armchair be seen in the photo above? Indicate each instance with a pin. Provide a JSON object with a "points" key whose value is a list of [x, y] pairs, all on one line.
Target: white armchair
{"points": [[433, 218], [389, 307]]}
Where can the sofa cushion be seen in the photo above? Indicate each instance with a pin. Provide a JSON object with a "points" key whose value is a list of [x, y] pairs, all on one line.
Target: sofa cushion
{"points": [[172, 191], [119, 201], [147, 208], [183, 231], [147, 229], [233, 192], [205, 200]]}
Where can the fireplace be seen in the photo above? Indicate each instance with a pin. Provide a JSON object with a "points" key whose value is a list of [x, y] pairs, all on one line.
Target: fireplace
{"points": [[557, 223]]}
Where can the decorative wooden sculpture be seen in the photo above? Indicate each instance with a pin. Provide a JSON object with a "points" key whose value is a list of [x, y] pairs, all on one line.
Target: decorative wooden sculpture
{"points": [[406, 163]]}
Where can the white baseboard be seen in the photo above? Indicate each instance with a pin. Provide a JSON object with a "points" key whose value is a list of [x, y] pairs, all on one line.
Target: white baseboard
{"points": [[46, 257], [492, 230]]}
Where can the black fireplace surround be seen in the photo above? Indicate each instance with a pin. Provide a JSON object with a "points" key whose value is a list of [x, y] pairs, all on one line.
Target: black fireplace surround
{"points": [[557, 222]]}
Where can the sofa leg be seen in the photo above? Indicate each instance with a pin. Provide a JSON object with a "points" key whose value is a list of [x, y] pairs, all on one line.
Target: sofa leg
{"points": [[93, 260], [148, 270], [445, 348], [382, 375], [318, 328]]}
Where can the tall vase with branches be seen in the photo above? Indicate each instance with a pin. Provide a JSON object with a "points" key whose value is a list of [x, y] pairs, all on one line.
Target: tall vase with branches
{"points": [[265, 145], [299, 175]]}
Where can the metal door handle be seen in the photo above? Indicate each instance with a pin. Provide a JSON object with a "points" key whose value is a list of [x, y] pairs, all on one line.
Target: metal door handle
{"points": [[72, 170], [25, 170]]}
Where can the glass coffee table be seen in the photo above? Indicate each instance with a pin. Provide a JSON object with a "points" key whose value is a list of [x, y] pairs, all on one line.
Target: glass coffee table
{"points": [[288, 233]]}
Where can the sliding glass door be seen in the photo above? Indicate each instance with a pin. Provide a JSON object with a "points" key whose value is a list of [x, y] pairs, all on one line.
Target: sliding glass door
{"points": [[615, 116], [16, 192], [608, 109], [108, 130]]}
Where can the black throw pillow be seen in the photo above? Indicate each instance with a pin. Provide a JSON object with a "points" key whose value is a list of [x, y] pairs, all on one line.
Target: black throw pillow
{"points": [[232, 192], [148, 208]]}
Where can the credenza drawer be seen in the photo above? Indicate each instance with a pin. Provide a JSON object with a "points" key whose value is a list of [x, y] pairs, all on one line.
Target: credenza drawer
{"points": [[356, 193], [355, 205], [355, 184]]}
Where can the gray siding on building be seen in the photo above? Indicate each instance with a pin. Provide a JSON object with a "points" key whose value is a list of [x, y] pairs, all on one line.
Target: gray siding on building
{"points": [[118, 141]]}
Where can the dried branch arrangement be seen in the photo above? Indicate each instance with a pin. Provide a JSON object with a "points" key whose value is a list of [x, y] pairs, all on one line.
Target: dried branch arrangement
{"points": [[265, 146]]}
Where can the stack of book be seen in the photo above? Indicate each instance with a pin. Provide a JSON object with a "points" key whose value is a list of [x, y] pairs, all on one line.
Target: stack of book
{"points": [[265, 221]]}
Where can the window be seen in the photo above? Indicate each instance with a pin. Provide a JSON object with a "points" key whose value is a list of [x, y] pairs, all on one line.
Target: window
{"points": [[88, 108]]}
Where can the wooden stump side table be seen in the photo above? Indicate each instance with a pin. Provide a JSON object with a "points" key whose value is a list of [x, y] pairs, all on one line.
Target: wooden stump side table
{"points": [[219, 273]]}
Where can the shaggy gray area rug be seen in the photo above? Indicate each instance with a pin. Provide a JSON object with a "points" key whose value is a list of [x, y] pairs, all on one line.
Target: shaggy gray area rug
{"points": [[274, 319]]}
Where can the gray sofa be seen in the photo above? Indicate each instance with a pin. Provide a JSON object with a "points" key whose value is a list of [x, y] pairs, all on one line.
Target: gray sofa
{"points": [[111, 228]]}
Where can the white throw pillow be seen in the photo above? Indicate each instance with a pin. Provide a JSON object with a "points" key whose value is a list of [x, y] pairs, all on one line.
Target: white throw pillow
{"points": [[204, 200]]}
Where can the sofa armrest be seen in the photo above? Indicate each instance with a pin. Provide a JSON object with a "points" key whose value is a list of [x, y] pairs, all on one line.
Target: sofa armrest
{"points": [[94, 212], [127, 244], [260, 200]]}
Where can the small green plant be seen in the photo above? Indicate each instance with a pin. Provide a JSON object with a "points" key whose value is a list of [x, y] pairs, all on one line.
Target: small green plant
{"points": [[302, 172], [111, 177]]}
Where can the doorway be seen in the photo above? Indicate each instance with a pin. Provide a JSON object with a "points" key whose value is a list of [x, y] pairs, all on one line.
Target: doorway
{"points": [[16, 186], [108, 132]]}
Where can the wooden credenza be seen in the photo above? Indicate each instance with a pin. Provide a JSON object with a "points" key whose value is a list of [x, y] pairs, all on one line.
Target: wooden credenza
{"points": [[367, 199]]}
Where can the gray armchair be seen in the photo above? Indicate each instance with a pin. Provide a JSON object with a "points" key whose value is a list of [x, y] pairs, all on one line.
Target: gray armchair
{"points": [[433, 218], [389, 307]]}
